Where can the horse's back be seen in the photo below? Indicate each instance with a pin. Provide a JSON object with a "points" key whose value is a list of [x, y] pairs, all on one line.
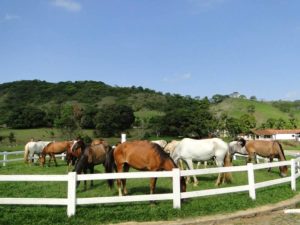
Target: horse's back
{"points": [[161, 143], [263, 148], [141, 155]]}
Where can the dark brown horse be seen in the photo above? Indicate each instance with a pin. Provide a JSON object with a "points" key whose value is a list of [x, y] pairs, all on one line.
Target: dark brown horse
{"points": [[55, 148], [141, 155], [91, 156], [267, 149]]}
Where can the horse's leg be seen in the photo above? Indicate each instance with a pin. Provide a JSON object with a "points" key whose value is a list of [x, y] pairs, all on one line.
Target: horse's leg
{"points": [[152, 184], [119, 170], [92, 172], [271, 160], [219, 162], [84, 172], [189, 163], [125, 169], [54, 159]]}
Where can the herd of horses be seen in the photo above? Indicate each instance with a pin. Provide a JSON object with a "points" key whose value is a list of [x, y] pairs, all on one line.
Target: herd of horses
{"points": [[153, 155]]}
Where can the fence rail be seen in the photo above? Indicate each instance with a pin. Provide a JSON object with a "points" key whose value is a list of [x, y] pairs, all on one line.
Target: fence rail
{"points": [[72, 201], [6, 154]]}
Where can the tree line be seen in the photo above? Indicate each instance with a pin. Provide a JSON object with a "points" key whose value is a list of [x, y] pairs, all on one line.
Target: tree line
{"points": [[71, 106]]}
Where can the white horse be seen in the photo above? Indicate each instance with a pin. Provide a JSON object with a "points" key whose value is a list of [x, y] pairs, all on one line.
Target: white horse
{"points": [[34, 147], [161, 143], [170, 147], [203, 150]]}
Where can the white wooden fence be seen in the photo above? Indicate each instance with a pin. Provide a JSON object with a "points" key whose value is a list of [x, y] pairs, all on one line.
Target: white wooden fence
{"points": [[175, 195], [5, 156]]}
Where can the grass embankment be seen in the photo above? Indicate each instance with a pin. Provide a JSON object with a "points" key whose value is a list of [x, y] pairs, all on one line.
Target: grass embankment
{"points": [[113, 213]]}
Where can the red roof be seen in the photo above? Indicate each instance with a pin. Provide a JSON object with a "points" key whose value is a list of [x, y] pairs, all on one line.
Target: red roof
{"points": [[274, 131]]}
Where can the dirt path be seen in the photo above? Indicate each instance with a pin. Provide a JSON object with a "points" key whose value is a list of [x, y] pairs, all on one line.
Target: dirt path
{"points": [[272, 214]]}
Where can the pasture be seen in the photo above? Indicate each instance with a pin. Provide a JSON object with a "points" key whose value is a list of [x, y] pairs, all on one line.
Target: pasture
{"points": [[116, 213]]}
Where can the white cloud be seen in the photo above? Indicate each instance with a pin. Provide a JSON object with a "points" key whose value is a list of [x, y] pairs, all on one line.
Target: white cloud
{"points": [[69, 5], [292, 95], [177, 78]]}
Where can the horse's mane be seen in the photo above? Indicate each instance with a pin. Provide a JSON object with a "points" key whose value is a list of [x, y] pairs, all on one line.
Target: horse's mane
{"points": [[281, 149], [243, 141], [162, 154]]}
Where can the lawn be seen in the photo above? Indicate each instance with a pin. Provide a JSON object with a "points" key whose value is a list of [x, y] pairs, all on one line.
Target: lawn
{"points": [[123, 212]]}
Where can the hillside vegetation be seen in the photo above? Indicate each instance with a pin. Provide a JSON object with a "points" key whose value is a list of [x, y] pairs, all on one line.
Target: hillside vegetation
{"points": [[236, 107], [107, 111]]}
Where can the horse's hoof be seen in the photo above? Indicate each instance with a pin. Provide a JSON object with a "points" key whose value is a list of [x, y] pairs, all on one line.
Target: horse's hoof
{"points": [[195, 184]]}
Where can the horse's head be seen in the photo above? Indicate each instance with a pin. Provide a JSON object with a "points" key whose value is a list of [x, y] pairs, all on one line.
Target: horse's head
{"points": [[42, 159], [283, 171], [242, 142]]}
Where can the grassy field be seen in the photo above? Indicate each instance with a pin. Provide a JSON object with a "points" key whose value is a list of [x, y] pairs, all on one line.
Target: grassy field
{"points": [[236, 107], [116, 213]]}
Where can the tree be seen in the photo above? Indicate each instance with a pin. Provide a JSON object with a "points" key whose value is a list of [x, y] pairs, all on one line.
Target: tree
{"points": [[68, 120], [113, 119], [26, 117], [251, 109], [11, 138], [218, 98], [190, 119], [233, 127], [247, 122]]}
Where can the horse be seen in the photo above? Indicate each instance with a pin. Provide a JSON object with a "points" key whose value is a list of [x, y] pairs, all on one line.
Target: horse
{"points": [[266, 149], [202, 150], [34, 147], [91, 156], [161, 143], [170, 147], [98, 141], [55, 148], [141, 155], [76, 151]]}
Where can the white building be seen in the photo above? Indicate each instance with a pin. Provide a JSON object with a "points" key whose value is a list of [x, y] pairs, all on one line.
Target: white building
{"points": [[272, 134]]}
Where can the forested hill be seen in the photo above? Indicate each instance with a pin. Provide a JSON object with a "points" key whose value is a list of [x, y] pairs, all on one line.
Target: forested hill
{"points": [[35, 103], [37, 92]]}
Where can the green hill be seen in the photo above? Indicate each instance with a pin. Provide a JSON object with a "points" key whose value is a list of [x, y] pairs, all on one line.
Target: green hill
{"points": [[235, 107]]}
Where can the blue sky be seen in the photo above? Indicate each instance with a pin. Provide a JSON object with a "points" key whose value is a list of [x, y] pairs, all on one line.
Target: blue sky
{"points": [[187, 47]]}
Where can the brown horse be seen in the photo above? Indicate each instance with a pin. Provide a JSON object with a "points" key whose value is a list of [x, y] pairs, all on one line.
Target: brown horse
{"points": [[91, 156], [267, 149], [55, 148], [76, 151], [141, 155]]}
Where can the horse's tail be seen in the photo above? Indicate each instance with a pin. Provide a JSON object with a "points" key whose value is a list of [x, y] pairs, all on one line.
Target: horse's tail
{"points": [[227, 162], [110, 165], [26, 152]]}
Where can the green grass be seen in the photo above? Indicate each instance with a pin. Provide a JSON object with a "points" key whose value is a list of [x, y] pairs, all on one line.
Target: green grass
{"points": [[123, 212], [236, 107]]}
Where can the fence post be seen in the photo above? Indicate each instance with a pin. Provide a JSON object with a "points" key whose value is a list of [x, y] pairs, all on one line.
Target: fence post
{"points": [[4, 158], [123, 137], [176, 189], [293, 174], [251, 181], [72, 178]]}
